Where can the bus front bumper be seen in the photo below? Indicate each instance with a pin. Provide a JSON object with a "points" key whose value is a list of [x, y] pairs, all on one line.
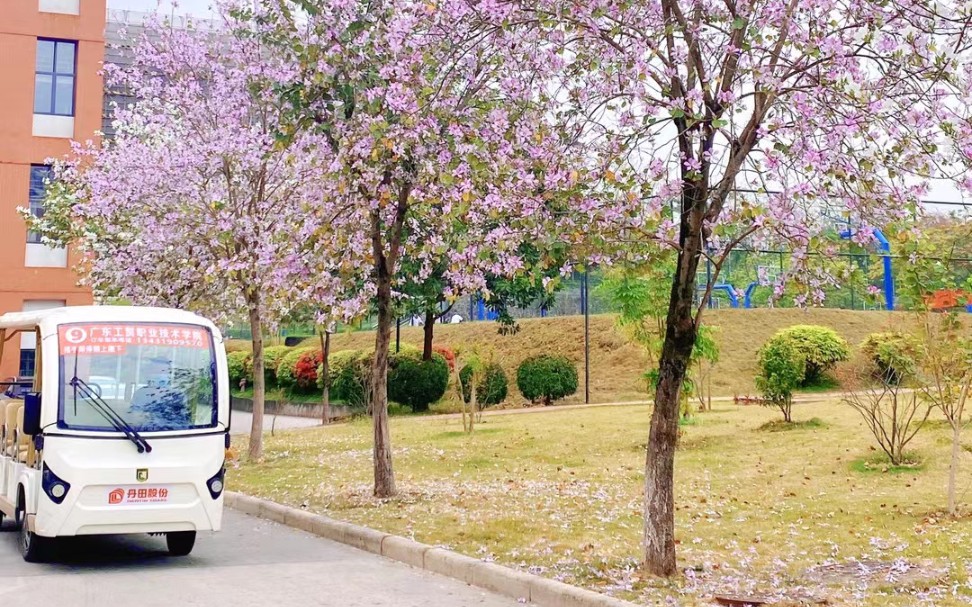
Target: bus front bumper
{"points": [[98, 510], [115, 489]]}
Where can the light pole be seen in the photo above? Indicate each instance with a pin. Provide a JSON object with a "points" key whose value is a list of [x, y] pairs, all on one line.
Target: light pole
{"points": [[587, 335]]}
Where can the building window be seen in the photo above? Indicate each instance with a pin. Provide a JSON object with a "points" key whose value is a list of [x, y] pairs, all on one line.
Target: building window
{"points": [[27, 363], [54, 77], [39, 175], [28, 339]]}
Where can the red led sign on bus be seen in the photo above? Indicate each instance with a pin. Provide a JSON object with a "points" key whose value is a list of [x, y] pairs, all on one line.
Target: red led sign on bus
{"points": [[113, 338]]}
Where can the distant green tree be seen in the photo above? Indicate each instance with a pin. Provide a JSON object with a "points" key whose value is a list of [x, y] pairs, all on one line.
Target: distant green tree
{"points": [[434, 296], [945, 353], [781, 370], [641, 295]]}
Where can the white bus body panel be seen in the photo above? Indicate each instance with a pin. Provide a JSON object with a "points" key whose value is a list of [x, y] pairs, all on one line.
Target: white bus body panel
{"points": [[97, 469], [97, 463]]}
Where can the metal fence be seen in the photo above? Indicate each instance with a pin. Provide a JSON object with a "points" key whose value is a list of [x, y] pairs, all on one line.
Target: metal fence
{"points": [[740, 285]]}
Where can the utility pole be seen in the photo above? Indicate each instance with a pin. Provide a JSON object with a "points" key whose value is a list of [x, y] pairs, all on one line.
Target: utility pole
{"points": [[587, 335]]}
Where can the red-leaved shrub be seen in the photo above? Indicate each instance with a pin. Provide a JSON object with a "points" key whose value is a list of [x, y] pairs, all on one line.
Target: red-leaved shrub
{"points": [[305, 370], [447, 354]]}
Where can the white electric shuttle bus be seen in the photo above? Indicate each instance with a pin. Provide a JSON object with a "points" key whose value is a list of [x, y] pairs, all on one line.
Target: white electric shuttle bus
{"points": [[122, 429]]}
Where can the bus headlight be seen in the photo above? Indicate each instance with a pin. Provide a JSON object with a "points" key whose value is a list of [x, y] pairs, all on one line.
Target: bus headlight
{"points": [[55, 487], [215, 484]]}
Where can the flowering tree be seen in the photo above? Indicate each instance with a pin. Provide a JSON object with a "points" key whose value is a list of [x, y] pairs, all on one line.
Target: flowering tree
{"points": [[719, 123], [430, 125], [195, 203]]}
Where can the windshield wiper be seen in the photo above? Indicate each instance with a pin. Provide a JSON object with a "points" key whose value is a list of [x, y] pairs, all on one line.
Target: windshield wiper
{"points": [[110, 414]]}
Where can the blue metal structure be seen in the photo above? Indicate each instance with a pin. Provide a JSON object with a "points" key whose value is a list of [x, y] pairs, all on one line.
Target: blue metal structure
{"points": [[885, 247], [482, 313], [729, 291], [748, 298]]}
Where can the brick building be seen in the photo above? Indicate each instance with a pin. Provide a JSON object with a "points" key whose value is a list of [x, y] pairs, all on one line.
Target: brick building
{"points": [[50, 55]]}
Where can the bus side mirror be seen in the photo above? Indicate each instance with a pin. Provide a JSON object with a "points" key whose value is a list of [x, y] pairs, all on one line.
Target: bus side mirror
{"points": [[32, 414]]}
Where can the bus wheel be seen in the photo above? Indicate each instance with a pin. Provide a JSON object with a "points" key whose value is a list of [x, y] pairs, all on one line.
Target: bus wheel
{"points": [[180, 543], [32, 546]]}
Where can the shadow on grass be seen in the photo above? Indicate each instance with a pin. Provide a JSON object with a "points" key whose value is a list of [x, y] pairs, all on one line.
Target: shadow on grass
{"points": [[778, 425], [692, 420], [825, 383], [880, 464]]}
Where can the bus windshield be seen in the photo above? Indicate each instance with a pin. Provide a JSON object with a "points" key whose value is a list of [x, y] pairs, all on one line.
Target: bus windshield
{"points": [[150, 376]]}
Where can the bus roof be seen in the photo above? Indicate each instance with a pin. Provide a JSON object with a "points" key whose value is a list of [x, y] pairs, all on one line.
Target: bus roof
{"points": [[50, 318]]}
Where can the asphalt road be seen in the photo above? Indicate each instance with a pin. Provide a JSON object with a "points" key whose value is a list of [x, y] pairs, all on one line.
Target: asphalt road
{"points": [[250, 563]]}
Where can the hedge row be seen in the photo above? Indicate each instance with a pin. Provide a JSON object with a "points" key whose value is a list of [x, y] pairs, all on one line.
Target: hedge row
{"points": [[411, 381]]}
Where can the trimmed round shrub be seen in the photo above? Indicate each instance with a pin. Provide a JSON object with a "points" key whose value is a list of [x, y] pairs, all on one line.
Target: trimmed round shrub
{"points": [[405, 350], [240, 365], [820, 347], [894, 355], [417, 383], [286, 368], [271, 360], [346, 375], [492, 388], [349, 373], [546, 378], [237, 345]]}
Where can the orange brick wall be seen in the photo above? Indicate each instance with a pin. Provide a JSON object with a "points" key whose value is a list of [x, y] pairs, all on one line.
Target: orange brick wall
{"points": [[21, 23]]}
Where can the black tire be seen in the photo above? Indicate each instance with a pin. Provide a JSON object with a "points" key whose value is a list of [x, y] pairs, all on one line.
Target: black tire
{"points": [[180, 543], [33, 547]]}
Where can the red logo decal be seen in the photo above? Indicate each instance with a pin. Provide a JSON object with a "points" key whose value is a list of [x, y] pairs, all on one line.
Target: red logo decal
{"points": [[116, 497]]}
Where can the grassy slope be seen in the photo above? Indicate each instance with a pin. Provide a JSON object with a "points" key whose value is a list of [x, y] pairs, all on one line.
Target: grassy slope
{"points": [[617, 365], [561, 492]]}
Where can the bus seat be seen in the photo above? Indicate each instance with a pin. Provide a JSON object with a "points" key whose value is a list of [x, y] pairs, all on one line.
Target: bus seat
{"points": [[4, 404], [10, 424], [23, 441]]}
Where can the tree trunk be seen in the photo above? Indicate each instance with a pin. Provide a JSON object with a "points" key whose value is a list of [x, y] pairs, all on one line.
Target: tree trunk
{"points": [[680, 333], [326, 377], [259, 379], [384, 474], [473, 405], [384, 273], [462, 394], [953, 467], [429, 329]]}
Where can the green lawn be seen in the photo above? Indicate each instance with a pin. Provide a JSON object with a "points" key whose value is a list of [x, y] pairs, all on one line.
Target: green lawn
{"points": [[785, 513]]}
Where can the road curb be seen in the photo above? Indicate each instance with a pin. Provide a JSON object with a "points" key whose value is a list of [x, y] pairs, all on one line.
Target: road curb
{"points": [[488, 576]]}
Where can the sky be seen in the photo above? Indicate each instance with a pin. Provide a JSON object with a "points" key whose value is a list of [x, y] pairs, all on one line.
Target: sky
{"points": [[199, 8]]}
